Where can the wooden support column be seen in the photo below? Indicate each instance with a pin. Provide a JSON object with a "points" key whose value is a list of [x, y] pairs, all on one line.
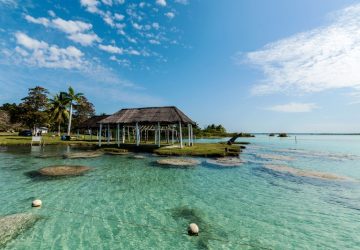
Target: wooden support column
{"points": [[128, 132], [180, 135], [159, 135], [192, 135], [123, 133], [90, 134], [118, 134], [167, 135], [172, 135], [189, 135], [108, 133], [100, 134], [137, 134]]}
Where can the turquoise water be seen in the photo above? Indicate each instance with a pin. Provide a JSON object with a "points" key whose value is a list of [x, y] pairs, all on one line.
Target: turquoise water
{"points": [[126, 203]]}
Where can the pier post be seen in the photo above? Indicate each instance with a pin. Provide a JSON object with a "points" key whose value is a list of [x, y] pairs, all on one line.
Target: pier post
{"points": [[180, 135], [100, 134]]}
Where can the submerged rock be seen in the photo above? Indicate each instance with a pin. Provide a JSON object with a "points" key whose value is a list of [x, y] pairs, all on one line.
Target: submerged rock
{"points": [[178, 162], [13, 225], [138, 157], [114, 151], [90, 154], [63, 170], [305, 173], [275, 157], [226, 162]]}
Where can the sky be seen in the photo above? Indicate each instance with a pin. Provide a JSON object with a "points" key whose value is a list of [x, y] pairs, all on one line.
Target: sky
{"points": [[250, 65]]}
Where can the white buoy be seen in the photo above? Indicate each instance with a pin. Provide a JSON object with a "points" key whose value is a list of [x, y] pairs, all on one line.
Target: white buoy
{"points": [[36, 203], [193, 229]]}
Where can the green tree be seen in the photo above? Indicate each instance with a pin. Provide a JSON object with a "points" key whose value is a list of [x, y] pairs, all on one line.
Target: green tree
{"points": [[72, 98], [13, 110], [34, 107], [83, 110], [58, 110]]}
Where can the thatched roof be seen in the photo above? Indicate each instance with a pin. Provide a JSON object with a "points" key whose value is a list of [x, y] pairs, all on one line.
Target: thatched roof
{"points": [[92, 122], [150, 115]]}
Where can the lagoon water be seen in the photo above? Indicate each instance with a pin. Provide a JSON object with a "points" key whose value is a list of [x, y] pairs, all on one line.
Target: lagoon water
{"points": [[126, 203]]}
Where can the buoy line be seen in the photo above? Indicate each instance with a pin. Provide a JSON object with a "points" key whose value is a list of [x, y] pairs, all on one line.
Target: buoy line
{"points": [[154, 227]]}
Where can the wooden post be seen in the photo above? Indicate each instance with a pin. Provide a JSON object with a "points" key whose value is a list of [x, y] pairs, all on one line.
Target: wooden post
{"points": [[189, 135], [167, 135], [123, 133], [128, 132], [90, 134], [108, 133], [192, 135], [118, 134], [180, 134], [100, 134], [172, 135], [137, 134], [159, 135], [155, 136]]}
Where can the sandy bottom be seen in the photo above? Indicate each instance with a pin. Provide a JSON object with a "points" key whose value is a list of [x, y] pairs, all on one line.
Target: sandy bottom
{"points": [[226, 162], [178, 162], [275, 157], [305, 173], [83, 155]]}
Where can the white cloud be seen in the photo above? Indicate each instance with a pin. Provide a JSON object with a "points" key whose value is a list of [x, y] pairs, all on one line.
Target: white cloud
{"points": [[28, 42], [122, 62], [107, 2], [321, 59], [41, 20], [71, 27], [161, 2], [153, 41], [137, 26], [41, 54], [91, 5], [84, 39], [77, 31], [182, 1], [170, 15], [294, 107], [156, 26], [119, 17], [51, 13], [111, 49]]}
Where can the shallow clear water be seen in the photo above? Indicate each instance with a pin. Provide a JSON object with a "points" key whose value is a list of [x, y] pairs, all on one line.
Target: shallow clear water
{"points": [[126, 203]]}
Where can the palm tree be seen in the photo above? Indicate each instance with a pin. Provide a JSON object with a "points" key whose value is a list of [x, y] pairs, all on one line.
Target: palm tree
{"points": [[58, 110], [72, 98]]}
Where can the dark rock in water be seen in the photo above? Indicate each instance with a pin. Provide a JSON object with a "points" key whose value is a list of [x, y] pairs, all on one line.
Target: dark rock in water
{"points": [[13, 225], [63, 170]]}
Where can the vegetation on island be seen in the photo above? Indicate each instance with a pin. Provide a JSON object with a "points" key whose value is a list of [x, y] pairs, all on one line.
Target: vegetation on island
{"points": [[283, 135], [201, 150], [40, 109], [211, 131]]}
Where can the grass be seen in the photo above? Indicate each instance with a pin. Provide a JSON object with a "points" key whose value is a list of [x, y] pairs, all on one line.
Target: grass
{"points": [[199, 149]]}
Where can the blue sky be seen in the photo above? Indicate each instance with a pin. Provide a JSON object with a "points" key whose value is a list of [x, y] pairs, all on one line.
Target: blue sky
{"points": [[255, 66]]}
